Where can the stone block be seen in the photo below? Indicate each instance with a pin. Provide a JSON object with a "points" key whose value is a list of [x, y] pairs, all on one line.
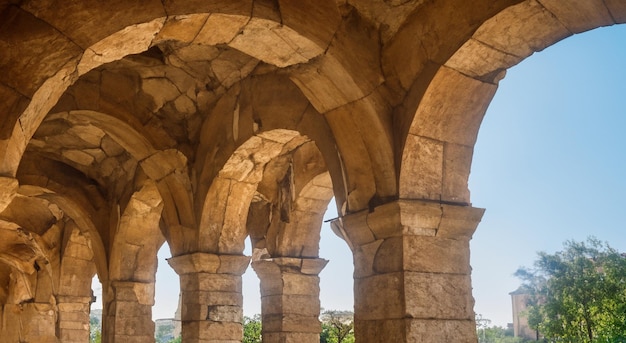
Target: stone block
{"points": [[514, 30], [439, 296], [299, 284], [194, 262], [379, 297], [73, 325], [423, 156], [435, 255], [618, 10], [142, 293], [364, 259], [456, 171], [431, 330], [140, 325], [300, 304], [133, 338], [80, 315], [580, 15], [183, 28], [221, 313], [220, 29], [479, 60], [356, 228], [210, 282], [313, 266], [291, 323], [389, 256], [74, 336], [199, 331], [459, 222], [9, 187], [291, 337]]}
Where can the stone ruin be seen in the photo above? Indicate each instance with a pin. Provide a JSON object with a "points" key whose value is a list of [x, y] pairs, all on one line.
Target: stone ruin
{"points": [[127, 124]]}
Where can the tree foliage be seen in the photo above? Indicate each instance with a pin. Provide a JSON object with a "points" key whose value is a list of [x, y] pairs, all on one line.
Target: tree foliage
{"points": [[337, 327], [252, 329], [578, 294], [494, 334], [95, 331]]}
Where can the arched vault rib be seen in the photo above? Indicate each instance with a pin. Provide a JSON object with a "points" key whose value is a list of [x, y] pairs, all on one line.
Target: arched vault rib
{"points": [[437, 151], [294, 33], [223, 218], [167, 168], [287, 210], [75, 206], [39, 238], [130, 37], [138, 237]]}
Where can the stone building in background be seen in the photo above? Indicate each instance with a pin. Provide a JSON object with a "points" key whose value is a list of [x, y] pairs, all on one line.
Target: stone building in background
{"points": [[126, 124], [519, 300]]}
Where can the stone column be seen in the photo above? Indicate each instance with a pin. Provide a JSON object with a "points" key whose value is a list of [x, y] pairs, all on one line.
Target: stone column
{"points": [[290, 304], [128, 312], [29, 322], [412, 272], [73, 318], [212, 302]]}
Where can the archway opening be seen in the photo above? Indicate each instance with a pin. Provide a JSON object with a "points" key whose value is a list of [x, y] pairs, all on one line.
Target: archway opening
{"points": [[336, 279], [547, 165], [166, 309], [95, 310]]}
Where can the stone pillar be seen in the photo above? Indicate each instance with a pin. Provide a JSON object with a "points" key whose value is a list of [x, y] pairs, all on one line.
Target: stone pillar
{"points": [[128, 312], [290, 304], [212, 302], [29, 322], [73, 319], [412, 272]]}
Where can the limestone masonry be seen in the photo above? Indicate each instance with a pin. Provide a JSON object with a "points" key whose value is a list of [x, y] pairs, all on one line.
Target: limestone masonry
{"points": [[126, 124]]}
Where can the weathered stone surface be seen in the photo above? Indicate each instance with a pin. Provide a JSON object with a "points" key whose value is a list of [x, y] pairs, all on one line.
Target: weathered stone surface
{"points": [[579, 16], [9, 187], [514, 29], [124, 124], [441, 331]]}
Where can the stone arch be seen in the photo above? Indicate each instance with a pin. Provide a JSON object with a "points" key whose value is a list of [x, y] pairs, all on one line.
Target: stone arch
{"points": [[292, 33], [297, 233], [167, 168], [138, 237], [438, 148], [284, 224], [65, 250], [223, 222], [129, 292], [74, 195], [93, 41]]}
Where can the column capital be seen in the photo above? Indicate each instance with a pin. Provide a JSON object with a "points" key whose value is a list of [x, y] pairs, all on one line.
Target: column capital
{"points": [[307, 266], [407, 217], [132, 291], [200, 262]]}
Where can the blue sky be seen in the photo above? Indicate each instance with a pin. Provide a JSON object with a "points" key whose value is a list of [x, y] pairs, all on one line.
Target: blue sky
{"points": [[549, 166]]}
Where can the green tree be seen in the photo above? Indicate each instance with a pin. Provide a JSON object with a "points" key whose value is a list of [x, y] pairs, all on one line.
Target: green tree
{"points": [[578, 294], [494, 334], [252, 329], [178, 339], [164, 333], [95, 331], [337, 327]]}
